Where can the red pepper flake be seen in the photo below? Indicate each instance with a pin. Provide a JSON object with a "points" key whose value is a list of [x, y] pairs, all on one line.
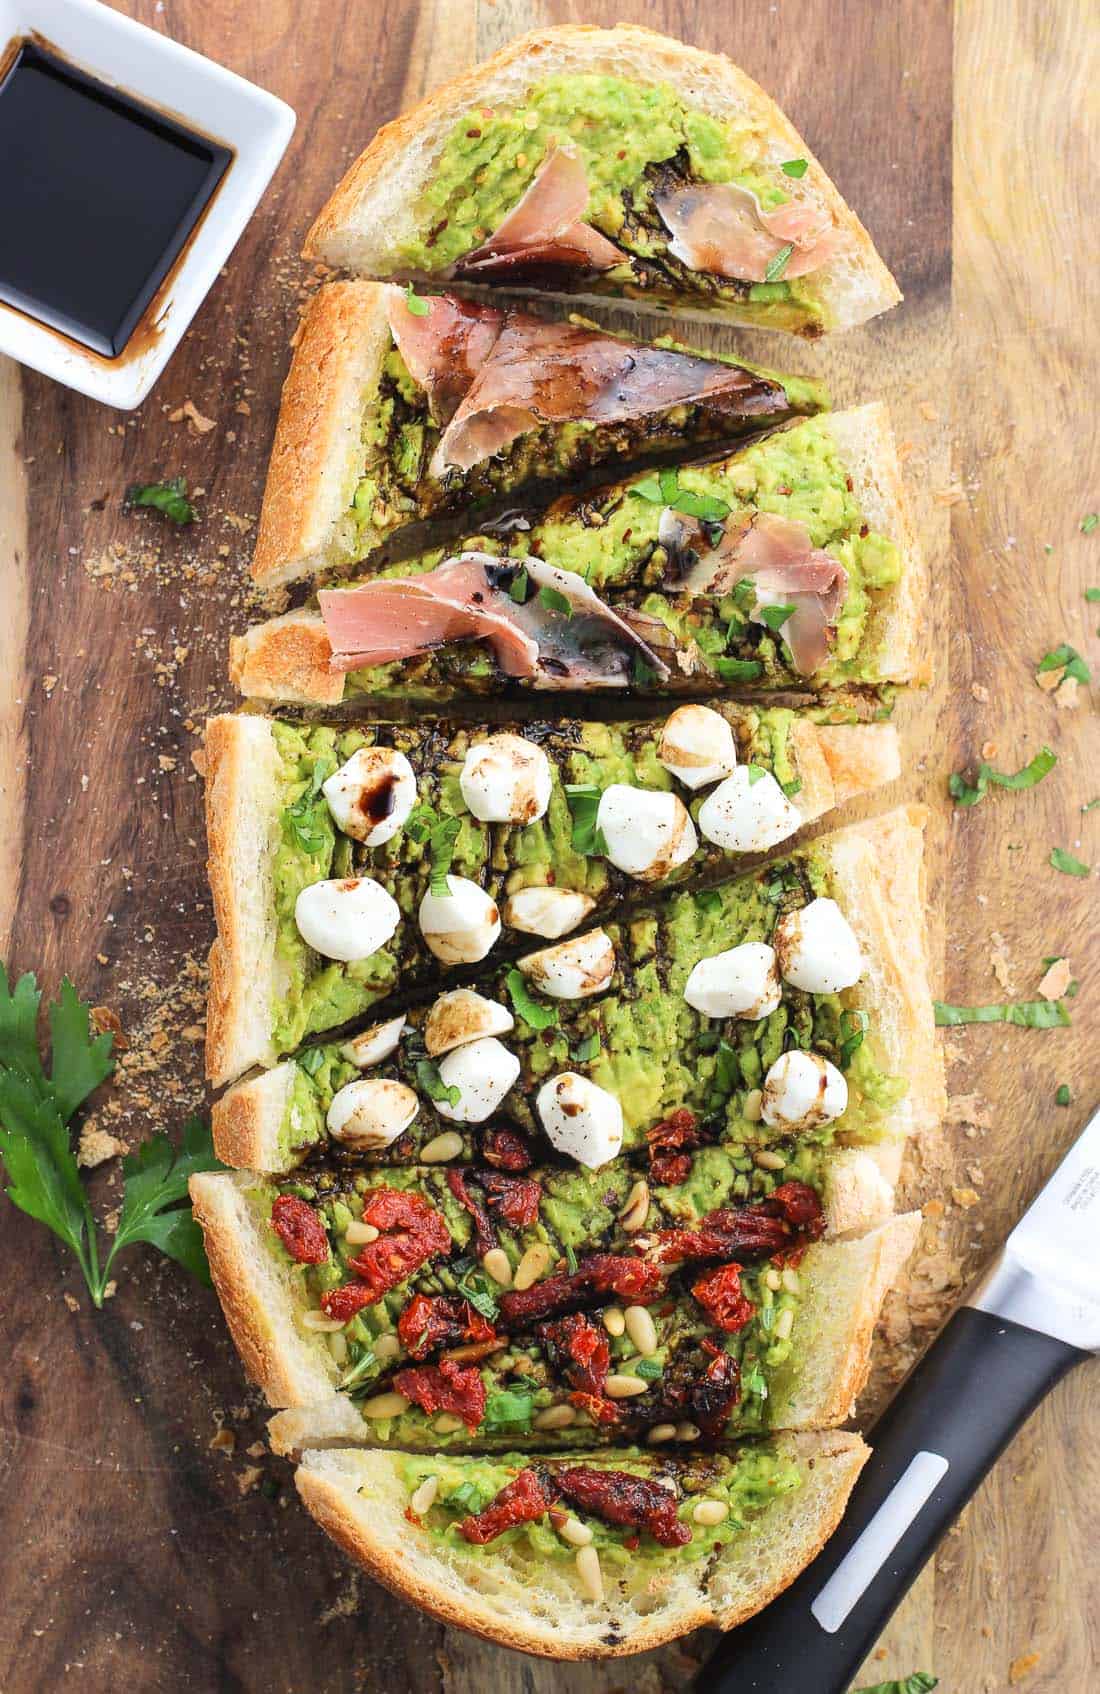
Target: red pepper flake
{"points": [[446, 1387], [522, 1500], [432, 1321], [579, 1349], [619, 1497], [720, 1294], [507, 1150], [628, 1276], [300, 1230], [472, 134]]}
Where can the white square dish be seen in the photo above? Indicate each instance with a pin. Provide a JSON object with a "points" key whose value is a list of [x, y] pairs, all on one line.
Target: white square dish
{"points": [[204, 97]]}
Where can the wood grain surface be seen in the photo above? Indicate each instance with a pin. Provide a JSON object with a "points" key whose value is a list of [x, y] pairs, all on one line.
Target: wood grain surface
{"points": [[149, 1541]]}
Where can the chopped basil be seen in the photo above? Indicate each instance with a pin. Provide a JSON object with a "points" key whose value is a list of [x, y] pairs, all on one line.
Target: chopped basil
{"points": [[649, 1370], [921, 1682], [1062, 1096], [1090, 805], [531, 1011], [779, 263], [584, 804], [1034, 771], [418, 307], [480, 1299], [1089, 522], [795, 167], [1067, 864], [424, 823], [427, 1075], [755, 773], [506, 1410], [664, 489], [775, 616], [853, 1028], [307, 820], [642, 675], [555, 601], [463, 1498], [586, 1050], [1092, 595], [311, 1060], [1068, 659], [1028, 1014], [169, 498], [737, 670], [520, 585], [709, 900]]}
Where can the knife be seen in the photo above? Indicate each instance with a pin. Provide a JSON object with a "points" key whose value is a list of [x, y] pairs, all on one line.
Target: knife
{"points": [[1033, 1315]]}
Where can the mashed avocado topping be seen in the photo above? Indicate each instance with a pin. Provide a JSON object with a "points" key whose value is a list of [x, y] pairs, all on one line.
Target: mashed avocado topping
{"points": [[745, 1483], [623, 132]]}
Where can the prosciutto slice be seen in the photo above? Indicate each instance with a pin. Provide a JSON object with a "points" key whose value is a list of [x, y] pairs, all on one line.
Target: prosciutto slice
{"points": [[541, 373], [544, 231], [721, 228], [468, 598], [445, 347], [779, 557]]}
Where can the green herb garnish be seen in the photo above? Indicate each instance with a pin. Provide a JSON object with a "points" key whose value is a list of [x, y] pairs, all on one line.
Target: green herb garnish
{"points": [[585, 1051], [532, 1011], [584, 805], [1028, 1014], [506, 1410], [424, 823], [1068, 659], [570, 1259], [307, 821], [1062, 1095], [427, 1075], [1034, 771], [737, 670], [480, 1299], [356, 1373], [649, 1370], [664, 490], [555, 601], [853, 1029], [1089, 522], [311, 1060], [775, 616], [795, 167], [521, 583], [1092, 595], [1067, 864], [755, 774], [169, 498], [779, 264], [418, 307], [921, 1682]]}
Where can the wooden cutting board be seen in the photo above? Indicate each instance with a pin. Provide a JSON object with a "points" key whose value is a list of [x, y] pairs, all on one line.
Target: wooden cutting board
{"points": [[149, 1542]]}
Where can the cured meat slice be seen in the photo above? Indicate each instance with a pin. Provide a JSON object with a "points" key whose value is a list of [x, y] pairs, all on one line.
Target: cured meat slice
{"points": [[720, 228], [544, 231], [444, 344]]}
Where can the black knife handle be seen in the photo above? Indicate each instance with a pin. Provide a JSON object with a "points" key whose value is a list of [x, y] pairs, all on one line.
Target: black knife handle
{"points": [[953, 1417]]}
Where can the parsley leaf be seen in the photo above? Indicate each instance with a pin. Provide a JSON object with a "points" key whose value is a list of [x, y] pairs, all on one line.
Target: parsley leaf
{"points": [[1034, 771], [795, 167], [921, 1682], [169, 498], [1067, 864], [649, 489], [79, 1060], [1028, 1014], [1092, 595], [1064, 657], [531, 1011], [418, 307], [779, 264], [1062, 1096], [427, 1075], [155, 1207], [311, 1060], [307, 821], [775, 616], [584, 804], [1089, 522]]}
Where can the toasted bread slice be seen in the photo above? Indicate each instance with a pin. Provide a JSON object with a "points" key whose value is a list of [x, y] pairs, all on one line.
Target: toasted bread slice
{"points": [[351, 466], [377, 217], [247, 793], [287, 659], [528, 1595]]}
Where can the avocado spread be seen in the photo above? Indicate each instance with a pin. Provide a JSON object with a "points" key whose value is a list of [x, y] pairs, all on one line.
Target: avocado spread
{"points": [[745, 1483], [631, 138]]}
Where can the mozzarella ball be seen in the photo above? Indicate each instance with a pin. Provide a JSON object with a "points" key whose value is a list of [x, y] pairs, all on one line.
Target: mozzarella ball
{"points": [[462, 1016], [462, 925], [577, 968], [349, 918], [817, 948], [371, 1113], [748, 812], [697, 746], [582, 1121], [371, 796], [374, 1044], [483, 1072], [648, 832], [743, 982], [506, 780], [803, 1091], [549, 912]]}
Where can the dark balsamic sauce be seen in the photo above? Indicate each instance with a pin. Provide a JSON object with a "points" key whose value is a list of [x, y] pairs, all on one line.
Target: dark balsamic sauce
{"points": [[99, 195]]}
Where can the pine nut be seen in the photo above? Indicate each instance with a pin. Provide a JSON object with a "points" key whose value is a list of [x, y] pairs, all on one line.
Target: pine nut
{"points": [[424, 1498], [386, 1346], [321, 1321], [624, 1387], [641, 1330], [687, 1432], [520, 1364], [442, 1148], [613, 1320], [389, 1405], [773, 1280], [790, 1280], [636, 1210], [338, 1346], [554, 1417], [753, 1108], [357, 1234], [769, 1161], [446, 1424], [710, 1512], [575, 1531], [531, 1266], [588, 1569], [661, 1432], [495, 1263], [784, 1323]]}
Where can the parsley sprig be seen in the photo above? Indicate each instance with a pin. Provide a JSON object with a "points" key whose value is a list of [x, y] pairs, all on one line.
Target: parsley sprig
{"points": [[36, 1152], [169, 498]]}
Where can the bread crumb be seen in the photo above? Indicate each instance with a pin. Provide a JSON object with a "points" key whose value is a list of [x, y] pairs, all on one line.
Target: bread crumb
{"points": [[1056, 980], [1049, 680], [1000, 963], [49, 683], [1065, 695], [969, 1108], [72, 1302], [223, 1441], [1023, 1666], [964, 1197], [191, 412], [97, 1146], [980, 693], [248, 1478], [928, 412]]}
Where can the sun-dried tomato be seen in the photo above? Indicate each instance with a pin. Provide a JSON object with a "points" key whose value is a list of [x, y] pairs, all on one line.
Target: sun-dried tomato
{"points": [[522, 1500], [617, 1496], [512, 1198], [507, 1149], [485, 1236], [432, 1321], [600, 1273], [579, 1350], [446, 1387], [419, 1233], [300, 1230], [343, 1303], [677, 1130], [701, 1394], [719, 1292], [670, 1169], [789, 1218], [398, 1208]]}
